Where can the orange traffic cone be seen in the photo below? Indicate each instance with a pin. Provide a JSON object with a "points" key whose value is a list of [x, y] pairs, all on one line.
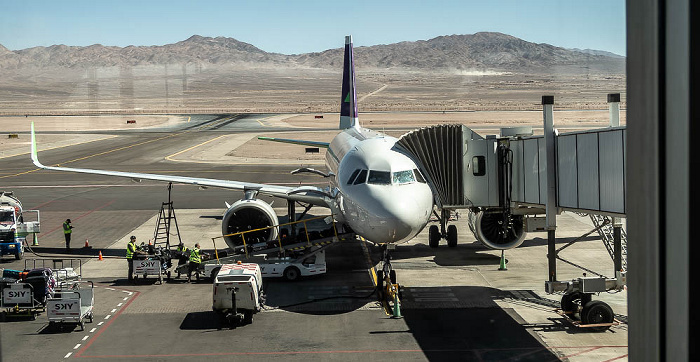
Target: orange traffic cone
{"points": [[87, 244], [99, 257]]}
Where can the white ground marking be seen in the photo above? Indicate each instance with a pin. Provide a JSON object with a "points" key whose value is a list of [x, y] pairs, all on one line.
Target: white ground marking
{"points": [[119, 305], [109, 288], [113, 310], [77, 346], [107, 317], [86, 337], [125, 298], [68, 355], [93, 330], [101, 323]]}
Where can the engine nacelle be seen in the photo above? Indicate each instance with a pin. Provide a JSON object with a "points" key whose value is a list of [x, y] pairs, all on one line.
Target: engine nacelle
{"points": [[249, 214], [488, 229]]}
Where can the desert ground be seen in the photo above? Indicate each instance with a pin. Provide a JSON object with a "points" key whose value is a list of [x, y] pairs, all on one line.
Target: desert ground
{"points": [[184, 89]]}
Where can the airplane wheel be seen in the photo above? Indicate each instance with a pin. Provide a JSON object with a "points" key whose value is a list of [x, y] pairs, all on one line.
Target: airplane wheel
{"points": [[595, 312], [392, 276], [433, 236], [451, 236], [380, 279]]}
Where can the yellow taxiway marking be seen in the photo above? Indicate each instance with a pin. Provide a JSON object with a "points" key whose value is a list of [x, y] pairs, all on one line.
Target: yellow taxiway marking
{"points": [[263, 124], [188, 119], [191, 148]]}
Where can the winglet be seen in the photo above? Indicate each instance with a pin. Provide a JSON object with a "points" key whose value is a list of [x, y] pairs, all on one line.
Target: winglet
{"points": [[348, 97], [35, 157]]}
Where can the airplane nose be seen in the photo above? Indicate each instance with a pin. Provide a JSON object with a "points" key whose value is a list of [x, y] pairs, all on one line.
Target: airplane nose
{"points": [[399, 219]]}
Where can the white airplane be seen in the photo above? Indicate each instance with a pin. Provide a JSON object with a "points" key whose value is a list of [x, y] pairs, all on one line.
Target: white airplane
{"points": [[375, 190]]}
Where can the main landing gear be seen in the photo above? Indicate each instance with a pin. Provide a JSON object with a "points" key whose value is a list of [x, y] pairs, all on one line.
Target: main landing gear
{"points": [[449, 233], [388, 290]]}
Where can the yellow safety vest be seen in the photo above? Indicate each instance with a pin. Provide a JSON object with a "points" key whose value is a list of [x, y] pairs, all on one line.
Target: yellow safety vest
{"points": [[66, 228], [194, 256], [130, 249]]}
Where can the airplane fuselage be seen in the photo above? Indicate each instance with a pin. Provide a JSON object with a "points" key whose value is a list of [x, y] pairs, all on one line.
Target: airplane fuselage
{"points": [[381, 194]]}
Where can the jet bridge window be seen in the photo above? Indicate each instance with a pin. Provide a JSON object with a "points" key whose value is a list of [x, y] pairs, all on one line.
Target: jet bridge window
{"points": [[479, 165], [404, 177], [352, 177], [361, 178], [379, 178]]}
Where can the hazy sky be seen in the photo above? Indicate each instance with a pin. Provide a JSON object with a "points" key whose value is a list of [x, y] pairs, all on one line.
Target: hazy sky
{"points": [[300, 26]]}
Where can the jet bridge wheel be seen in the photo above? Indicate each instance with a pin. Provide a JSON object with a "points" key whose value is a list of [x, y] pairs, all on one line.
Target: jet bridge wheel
{"points": [[434, 236], [595, 312], [451, 236], [568, 302]]}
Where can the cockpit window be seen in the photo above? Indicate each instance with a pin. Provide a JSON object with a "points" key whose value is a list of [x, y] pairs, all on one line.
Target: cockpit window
{"points": [[379, 178], [404, 177], [361, 177], [419, 177], [352, 177]]}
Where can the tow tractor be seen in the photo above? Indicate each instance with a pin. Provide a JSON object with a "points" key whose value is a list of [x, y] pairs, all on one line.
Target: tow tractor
{"points": [[13, 227], [289, 257]]}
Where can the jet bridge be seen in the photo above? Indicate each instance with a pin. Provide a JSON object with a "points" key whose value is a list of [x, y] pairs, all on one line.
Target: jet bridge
{"points": [[505, 183]]}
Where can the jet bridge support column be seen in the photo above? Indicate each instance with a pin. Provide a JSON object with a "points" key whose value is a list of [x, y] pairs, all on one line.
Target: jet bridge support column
{"points": [[550, 201], [614, 106]]}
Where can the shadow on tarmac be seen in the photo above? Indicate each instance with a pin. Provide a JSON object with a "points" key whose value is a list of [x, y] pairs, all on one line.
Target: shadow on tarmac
{"points": [[483, 334]]}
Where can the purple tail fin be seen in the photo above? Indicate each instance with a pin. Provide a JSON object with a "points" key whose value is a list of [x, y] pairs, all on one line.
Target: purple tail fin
{"points": [[348, 100]]}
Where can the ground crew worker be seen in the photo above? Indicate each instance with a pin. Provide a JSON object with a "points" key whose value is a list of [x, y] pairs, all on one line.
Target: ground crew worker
{"points": [[67, 231], [195, 261], [130, 251], [182, 253]]}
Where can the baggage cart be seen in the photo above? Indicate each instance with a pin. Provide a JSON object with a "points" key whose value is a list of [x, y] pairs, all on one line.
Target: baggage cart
{"points": [[18, 300], [72, 305]]}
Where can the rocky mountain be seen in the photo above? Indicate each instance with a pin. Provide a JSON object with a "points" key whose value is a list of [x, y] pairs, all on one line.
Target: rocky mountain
{"points": [[597, 52], [480, 51]]}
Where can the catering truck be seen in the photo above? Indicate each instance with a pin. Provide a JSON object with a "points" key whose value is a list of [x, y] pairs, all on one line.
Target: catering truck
{"points": [[13, 226]]}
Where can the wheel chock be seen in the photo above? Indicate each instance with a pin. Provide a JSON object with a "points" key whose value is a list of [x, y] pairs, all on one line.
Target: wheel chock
{"points": [[503, 261]]}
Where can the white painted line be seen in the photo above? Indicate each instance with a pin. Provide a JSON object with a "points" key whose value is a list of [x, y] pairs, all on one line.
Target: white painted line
{"points": [[126, 298], [93, 330], [86, 337], [68, 355], [107, 317], [130, 293], [77, 346], [119, 305], [113, 310], [109, 288], [101, 323]]}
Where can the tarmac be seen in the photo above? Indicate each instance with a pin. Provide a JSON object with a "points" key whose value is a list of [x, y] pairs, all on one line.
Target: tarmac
{"points": [[456, 304]]}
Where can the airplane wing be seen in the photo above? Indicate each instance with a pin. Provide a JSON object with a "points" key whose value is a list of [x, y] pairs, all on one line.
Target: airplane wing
{"points": [[309, 194], [296, 142]]}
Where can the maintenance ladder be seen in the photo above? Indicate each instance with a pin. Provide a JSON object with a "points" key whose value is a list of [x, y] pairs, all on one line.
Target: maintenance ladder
{"points": [[161, 236]]}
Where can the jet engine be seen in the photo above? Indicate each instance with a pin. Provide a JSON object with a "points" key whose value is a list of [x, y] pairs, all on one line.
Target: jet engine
{"points": [[249, 214], [495, 231]]}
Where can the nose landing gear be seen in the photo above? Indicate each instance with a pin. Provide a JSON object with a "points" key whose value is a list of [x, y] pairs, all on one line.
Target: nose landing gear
{"points": [[388, 290], [449, 233]]}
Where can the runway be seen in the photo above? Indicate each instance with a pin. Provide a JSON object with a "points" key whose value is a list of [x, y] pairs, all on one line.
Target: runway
{"points": [[457, 305]]}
